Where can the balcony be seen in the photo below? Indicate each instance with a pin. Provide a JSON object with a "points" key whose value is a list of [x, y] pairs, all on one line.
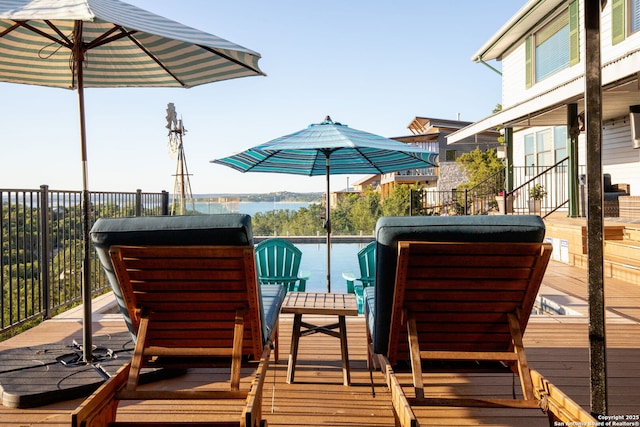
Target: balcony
{"points": [[412, 176], [558, 346]]}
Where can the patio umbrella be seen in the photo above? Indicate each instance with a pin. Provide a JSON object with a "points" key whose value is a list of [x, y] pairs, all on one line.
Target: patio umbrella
{"points": [[75, 44], [330, 148]]}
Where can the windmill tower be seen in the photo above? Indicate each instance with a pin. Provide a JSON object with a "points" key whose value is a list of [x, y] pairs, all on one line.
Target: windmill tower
{"points": [[182, 185]]}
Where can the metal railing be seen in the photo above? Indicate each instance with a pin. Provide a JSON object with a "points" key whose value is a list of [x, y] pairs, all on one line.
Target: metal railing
{"points": [[476, 200], [490, 195], [540, 191], [41, 246]]}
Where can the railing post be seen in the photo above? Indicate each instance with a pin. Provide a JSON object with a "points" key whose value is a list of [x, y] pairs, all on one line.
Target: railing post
{"points": [[45, 250], [508, 139], [138, 202], [572, 143], [165, 203], [466, 201], [411, 201]]}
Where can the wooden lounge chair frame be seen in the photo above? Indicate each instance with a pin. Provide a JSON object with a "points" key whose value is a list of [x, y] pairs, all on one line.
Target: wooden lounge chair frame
{"points": [[191, 306], [469, 302]]}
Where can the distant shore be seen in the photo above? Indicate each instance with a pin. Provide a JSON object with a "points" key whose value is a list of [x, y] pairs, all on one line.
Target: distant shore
{"points": [[280, 196]]}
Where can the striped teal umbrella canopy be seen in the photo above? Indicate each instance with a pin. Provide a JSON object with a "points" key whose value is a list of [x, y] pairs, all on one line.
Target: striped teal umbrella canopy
{"points": [[121, 45], [330, 144], [330, 148], [75, 44]]}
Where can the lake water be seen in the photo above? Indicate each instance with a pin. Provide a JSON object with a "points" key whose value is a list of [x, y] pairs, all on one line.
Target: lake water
{"points": [[249, 208], [314, 256]]}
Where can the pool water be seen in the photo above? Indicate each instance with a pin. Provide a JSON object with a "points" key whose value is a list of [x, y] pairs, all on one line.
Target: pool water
{"points": [[344, 259]]}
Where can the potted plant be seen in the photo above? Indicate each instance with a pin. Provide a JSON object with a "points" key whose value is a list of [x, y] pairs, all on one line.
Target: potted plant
{"points": [[501, 203], [536, 194]]}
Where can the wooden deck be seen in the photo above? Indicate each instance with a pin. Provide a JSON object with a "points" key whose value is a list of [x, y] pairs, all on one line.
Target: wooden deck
{"points": [[557, 347]]}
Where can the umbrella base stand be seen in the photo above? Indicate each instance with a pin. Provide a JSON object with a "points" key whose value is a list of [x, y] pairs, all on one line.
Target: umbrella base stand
{"points": [[40, 375], [99, 356]]}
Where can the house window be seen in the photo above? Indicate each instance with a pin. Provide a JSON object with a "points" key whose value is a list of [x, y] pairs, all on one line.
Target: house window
{"points": [[450, 155], [625, 14], [554, 46], [529, 155], [544, 148], [634, 16], [559, 143]]}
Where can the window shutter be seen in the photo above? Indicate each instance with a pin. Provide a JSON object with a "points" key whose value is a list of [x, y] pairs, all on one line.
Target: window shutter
{"points": [[574, 34], [617, 21], [528, 62]]}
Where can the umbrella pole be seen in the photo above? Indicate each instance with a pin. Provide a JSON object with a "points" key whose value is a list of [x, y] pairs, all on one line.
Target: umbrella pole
{"points": [[87, 318], [327, 224]]}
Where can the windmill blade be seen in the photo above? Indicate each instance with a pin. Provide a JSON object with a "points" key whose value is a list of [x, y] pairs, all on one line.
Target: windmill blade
{"points": [[171, 116]]}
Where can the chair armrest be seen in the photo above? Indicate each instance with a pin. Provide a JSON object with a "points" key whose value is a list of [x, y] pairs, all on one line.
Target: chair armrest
{"points": [[304, 275], [350, 279], [101, 406], [621, 188], [252, 412], [302, 281]]}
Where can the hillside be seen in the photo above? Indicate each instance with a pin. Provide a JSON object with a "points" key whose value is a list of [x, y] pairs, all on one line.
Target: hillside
{"points": [[280, 196]]}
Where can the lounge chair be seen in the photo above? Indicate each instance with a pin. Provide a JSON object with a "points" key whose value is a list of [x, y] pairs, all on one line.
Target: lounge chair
{"points": [[456, 293], [367, 264], [188, 289], [278, 262]]}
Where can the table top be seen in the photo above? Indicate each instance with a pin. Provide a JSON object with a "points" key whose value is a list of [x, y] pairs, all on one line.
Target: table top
{"points": [[320, 303]]}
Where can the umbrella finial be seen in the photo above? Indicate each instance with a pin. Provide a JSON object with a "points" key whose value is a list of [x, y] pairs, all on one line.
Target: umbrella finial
{"points": [[327, 120]]}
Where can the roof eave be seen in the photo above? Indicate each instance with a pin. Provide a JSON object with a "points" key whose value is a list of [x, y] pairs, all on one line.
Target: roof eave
{"points": [[515, 29]]}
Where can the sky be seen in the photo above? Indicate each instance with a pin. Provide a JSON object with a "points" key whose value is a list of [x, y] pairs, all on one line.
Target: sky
{"points": [[371, 65]]}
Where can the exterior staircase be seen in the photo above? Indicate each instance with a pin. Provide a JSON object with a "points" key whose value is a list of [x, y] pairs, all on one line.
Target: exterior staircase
{"points": [[621, 245], [622, 256]]}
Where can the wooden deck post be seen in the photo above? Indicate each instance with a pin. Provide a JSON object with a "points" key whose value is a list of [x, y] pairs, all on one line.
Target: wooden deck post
{"points": [[595, 220]]}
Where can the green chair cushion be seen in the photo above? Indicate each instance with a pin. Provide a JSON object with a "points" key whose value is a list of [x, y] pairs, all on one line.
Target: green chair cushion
{"points": [[222, 229], [477, 228]]}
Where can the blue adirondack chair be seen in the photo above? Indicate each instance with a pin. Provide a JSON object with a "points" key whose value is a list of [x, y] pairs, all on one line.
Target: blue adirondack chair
{"points": [[278, 262], [367, 262]]}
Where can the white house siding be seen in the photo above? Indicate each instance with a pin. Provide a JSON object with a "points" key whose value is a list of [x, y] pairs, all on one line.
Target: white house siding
{"points": [[513, 82], [619, 158], [518, 146], [514, 89]]}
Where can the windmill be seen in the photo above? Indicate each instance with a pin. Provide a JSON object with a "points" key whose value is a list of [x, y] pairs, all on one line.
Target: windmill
{"points": [[182, 185]]}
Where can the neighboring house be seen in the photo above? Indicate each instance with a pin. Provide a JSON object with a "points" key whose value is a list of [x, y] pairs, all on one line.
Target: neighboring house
{"points": [[430, 134], [372, 181], [542, 50], [337, 196]]}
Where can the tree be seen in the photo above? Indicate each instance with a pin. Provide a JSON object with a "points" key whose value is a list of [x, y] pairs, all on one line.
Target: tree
{"points": [[366, 211], [479, 166], [399, 201], [355, 213]]}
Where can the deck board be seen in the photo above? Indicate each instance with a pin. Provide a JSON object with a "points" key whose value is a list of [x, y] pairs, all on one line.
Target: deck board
{"points": [[558, 348]]}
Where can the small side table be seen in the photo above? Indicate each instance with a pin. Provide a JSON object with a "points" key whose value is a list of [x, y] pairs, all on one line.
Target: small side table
{"points": [[340, 305]]}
